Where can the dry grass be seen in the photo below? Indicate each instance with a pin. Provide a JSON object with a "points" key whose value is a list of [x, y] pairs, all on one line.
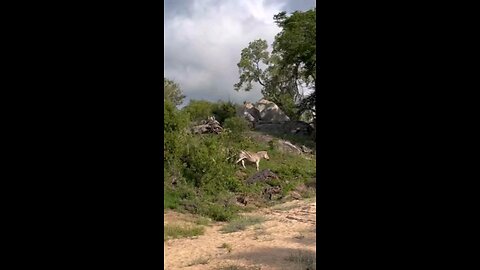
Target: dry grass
{"points": [[203, 221], [226, 246], [176, 231], [242, 223], [260, 231], [303, 260]]}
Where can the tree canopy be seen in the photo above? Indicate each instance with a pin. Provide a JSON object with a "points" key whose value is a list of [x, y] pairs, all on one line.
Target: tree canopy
{"points": [[289, 69], [172, 92]]}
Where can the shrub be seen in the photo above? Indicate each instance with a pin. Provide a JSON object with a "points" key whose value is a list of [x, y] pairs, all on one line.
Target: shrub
{"points": [[303, 259], [199, 109], [242, 223], [174, 131], [173, 197], [174, 120], [177, 231], [236, 124], [224, 110], [219, 212], [172, 92]]}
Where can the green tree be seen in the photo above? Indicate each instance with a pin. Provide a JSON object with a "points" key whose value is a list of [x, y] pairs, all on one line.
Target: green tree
{"points": [[289, 68], [199, 109], [172, 92], [224, 110], [175, 123]]}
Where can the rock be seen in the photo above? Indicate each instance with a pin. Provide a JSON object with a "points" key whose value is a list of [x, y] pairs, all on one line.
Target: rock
{"points": [[264, 110], [270, 191], [288, 147], [298, 127], [306, 149], [248, 116], [243, 200], [262, 176], [270, 111], [249, 112], [248, 105], [295, 195]]}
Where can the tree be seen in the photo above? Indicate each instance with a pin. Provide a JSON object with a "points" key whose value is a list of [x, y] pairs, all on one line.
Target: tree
{"points": [[199, 109], [289, 69], [172, 92]]}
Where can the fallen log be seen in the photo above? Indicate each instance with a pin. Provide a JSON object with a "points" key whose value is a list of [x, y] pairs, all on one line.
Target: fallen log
{"points": [[208, 126]]}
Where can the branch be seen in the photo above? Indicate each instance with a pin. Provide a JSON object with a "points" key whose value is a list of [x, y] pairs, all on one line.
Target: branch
{"points": [[259, 72]]}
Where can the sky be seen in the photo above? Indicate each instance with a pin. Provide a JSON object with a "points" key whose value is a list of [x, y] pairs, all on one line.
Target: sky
{"points": [[203, 40]]}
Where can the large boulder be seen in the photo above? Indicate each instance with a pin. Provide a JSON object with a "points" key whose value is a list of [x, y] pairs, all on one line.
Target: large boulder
{"points": [[264, 111], [270, 112], [249, 112]]}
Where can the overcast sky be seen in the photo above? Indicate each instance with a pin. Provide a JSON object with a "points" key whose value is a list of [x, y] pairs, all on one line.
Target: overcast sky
{"points": [[203, 40]]}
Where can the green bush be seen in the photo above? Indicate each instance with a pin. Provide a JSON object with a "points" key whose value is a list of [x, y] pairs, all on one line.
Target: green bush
{"points": [[236, 124], [199, 109], [174, 132], [174, 120], [207, 165], [202, 109], [241, 223], [224, 110], [219, 212], [177, 231]]}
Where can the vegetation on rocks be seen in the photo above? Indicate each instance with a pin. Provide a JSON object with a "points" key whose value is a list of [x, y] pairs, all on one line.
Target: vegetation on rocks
{"points": [[200, 174]]}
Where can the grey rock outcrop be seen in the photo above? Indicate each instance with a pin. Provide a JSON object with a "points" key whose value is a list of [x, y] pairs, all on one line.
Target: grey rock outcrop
{"points": [[270, 112], [264, 111]]}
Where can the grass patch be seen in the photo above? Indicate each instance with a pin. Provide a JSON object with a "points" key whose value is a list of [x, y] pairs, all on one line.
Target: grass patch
{"points": [[303, 260], [176, 231], [241, 223], [226, 246], [219, 212], [202, 221], [170, 201]]}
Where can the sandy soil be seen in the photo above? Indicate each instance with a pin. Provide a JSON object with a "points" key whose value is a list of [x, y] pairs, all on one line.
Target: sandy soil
{"points": [[289, 228]]}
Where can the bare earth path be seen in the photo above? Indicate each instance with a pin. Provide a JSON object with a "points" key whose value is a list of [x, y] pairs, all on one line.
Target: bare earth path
{"points": [[288, 230]]}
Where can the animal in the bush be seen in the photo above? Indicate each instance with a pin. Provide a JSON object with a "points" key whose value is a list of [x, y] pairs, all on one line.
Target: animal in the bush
{"points": [[252, 157]]}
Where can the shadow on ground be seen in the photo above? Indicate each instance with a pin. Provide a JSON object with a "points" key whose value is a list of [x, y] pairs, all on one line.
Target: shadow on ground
{"points": [[279, 258], [305, 240]]}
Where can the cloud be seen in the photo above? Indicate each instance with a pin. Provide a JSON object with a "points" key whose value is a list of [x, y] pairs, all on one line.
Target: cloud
{"points": [[203, 40]]}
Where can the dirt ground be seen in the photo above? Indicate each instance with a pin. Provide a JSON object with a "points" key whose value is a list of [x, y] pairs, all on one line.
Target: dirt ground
{"points": [[289, 229]]}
